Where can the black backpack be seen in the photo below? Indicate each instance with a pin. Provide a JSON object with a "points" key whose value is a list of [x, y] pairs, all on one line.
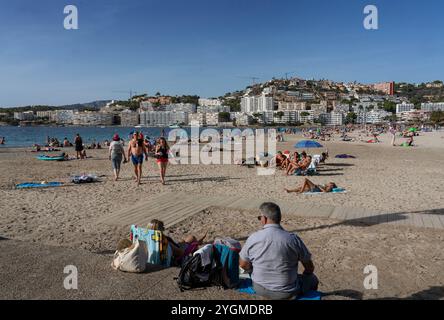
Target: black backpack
{"points": [[192, 275]]}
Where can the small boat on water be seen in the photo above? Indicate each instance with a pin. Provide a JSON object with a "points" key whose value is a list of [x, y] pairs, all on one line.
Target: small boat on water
{"points": [[175, 126], [138, 127]]}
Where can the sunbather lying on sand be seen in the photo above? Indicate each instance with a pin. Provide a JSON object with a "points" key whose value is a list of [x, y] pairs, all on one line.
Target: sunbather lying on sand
{"points": [[309, 186]]}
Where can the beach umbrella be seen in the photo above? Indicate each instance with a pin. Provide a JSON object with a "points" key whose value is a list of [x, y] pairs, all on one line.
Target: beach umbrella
{"points": [[306, 144]]}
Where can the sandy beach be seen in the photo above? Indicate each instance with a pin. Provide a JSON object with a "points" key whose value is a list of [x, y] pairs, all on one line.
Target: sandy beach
{"points": [[382, 178]]}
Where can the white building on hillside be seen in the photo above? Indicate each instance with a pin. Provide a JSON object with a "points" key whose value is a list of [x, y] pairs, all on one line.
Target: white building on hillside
{"points": [[210, 102], [332, 118], [257, 104], [404, 107], [437, 106], [163, 118]]}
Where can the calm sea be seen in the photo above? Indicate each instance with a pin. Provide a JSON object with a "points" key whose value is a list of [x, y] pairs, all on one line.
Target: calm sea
{"points": [[28, 136]]}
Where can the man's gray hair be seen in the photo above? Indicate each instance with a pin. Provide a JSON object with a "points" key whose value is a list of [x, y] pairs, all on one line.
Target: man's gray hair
{"points": [[271, 211]]}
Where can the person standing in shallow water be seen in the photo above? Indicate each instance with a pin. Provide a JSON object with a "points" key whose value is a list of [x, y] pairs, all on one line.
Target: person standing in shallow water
{"points": [[161, 153]]}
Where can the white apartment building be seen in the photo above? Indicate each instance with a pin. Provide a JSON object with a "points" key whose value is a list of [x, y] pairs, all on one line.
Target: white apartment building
{"points": [[24, 116], [93, 119], [209, 102], [414, 115], [332, 118], [286, 117], [432, 106], [44, 114], [181, 107], [404, 107], [213, 108], [63, 116], [163, 118], [307, 96], [291, 106], [372, 117], [309, 118], [257, 104]]}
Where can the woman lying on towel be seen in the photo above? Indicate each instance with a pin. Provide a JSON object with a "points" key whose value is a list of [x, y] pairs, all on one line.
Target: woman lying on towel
{"points": [[309, 186], [189, 245]]}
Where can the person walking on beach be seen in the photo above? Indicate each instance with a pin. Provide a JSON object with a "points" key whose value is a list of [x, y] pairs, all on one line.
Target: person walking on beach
{"points": [[78, 142], [393, 132], [116, 153], [136, 150], [161, 153]]}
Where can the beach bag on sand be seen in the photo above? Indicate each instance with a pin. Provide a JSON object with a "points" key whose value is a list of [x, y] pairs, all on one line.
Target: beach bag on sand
{"points": [[159, 250], [132, 259], [227, 259], [194, 274]]}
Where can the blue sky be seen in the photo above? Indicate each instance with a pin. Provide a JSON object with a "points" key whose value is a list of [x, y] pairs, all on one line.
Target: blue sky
{"points": [[207, 47]]}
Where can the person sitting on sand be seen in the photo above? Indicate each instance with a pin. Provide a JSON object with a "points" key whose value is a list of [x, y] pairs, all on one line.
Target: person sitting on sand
{"points": [[279, 159], [297, 159], [272, 256], [187, 246], [302, 165], [66, 143], [308, 186]]}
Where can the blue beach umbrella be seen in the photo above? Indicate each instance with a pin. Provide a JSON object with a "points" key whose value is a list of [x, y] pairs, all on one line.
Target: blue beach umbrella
{"points": [[306, 144]]}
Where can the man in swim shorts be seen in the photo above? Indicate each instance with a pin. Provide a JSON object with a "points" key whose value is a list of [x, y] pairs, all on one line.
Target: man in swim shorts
{"points": [[136, 150]]}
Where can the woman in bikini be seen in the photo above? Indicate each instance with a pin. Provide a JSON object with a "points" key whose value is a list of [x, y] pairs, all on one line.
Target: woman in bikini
{"points": [[161, 153], [309, 186]]}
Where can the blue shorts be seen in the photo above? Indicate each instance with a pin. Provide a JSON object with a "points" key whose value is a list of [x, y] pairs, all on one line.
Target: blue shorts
{"points": [[137, 159]]}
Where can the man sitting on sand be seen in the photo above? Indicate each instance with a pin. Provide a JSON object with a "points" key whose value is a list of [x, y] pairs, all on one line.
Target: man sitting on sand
{"points": [[309, 186], [272, 256]]}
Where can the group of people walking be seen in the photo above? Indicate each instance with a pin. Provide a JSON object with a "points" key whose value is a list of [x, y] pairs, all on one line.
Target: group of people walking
{"points": [[137, 152]]}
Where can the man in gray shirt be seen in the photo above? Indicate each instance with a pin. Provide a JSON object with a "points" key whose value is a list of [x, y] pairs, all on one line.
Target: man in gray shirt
{"points": [[272, 255]]}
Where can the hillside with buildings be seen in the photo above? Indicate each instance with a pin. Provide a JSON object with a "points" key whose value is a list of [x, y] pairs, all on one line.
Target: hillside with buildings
{"points": [[289, 102]]}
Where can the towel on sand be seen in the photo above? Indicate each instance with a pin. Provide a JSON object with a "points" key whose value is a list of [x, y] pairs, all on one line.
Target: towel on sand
{"points": [[335, 190], [37, 185], [246, 286]]}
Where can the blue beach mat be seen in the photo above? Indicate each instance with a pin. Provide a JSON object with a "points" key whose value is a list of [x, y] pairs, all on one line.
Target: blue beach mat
{"points": [[246, 286], [38, 185], [46, 158], [335, 190]]}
